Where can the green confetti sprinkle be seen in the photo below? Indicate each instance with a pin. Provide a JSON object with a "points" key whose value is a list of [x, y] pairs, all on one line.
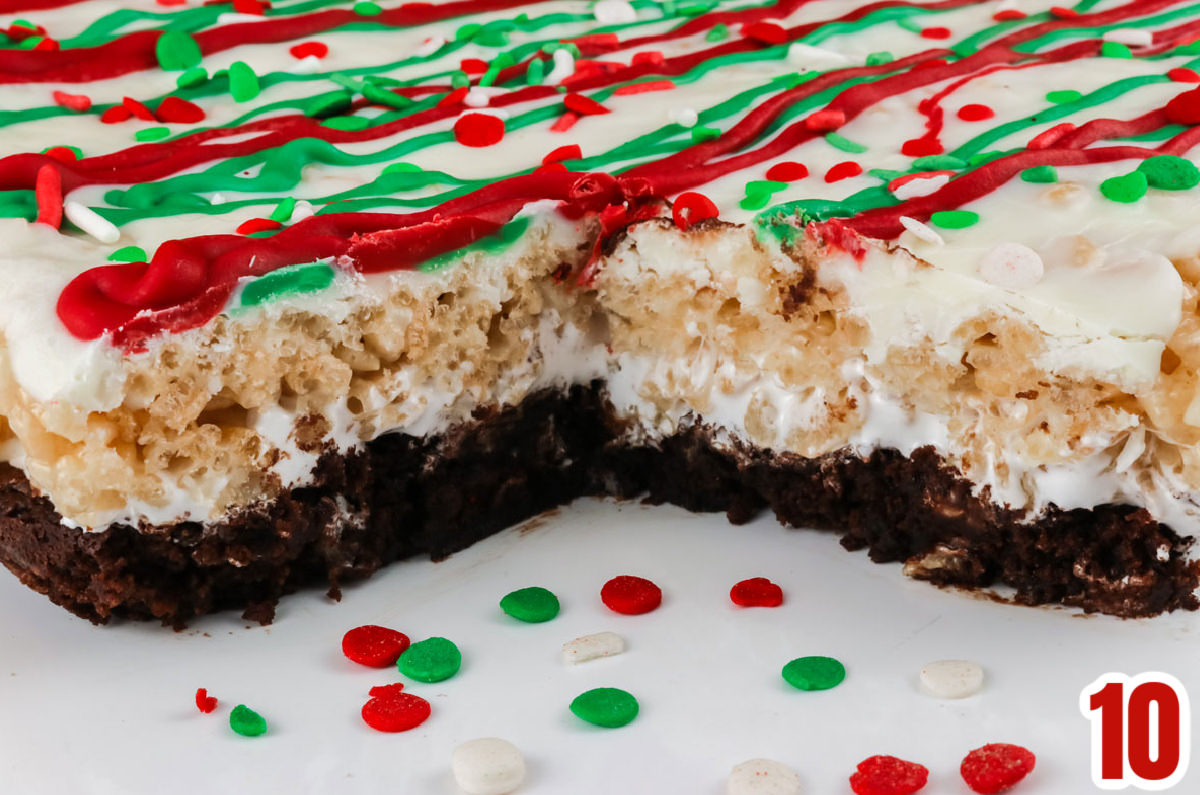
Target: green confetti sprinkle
{"points": [[702, 133], [24, 23], [1125, 189], [880, 58], [347, 123], [939, 163], [152, 134], [536, 73], [954, 219], [196, 76], [845, 144], [30, 43], [283, 210], [460, 80], [1114, 49], [755, 201], [814, 673], [367, 9], [177, 51], [1064, 96], [1040, 174], [329, 104], [128, 254], [430, 660], [718, 32], [467, 31], [381, 96], [1170, 172], [243, 82], [292, 280], [533, 605], [401, 168], [247, 722], [608, 707]]}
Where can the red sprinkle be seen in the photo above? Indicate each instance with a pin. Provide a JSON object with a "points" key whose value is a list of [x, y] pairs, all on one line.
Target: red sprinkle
{"points": [[249, 7], [584, 106], [62, 154], [115, 115], [455, 97], [651, 57], [568, 152], [473, 66], [48, 191], [478, 129], [392, 710], [921, 147], [1062, 12], [1008, 15], [787, 171], [257, 225], [138, 109], [1049, 138], [825, 120], [547, 168], [175, 110], [975, 112], [204, 702], [843, 170], [1184, 108], [564, 122], [596, 41], [76, 102], [996, 767], [644, 88], [47, 45], [305, 49], [932, 63], [756, 592], [171, 2], [935, 33], [887, 775], [688, 210], [765, 32], [632, 596], [374, 646], [1181, 74]]}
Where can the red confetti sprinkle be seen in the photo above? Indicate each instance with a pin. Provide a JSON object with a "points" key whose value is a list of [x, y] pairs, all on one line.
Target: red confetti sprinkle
{"points": [[62, 154], [48, 191], [996, 767], [138, 109], [787, 171], [455, 97], [596, 41], [825, 120], [1008, 15], [1185, 108], [204, 702], [1047, 139], [115, 114], [1063, 12], [921, 147], [887, 775], [253, 7], [374, 646], [584, 106], [171, 2], [550, 168], [306, 49], [644, 88], [935, 33], [76, 102], [47, 45], [568, 152], [932, 63], [392, 710], [975, 112], [478, 129], [688, 210], [473, 66], [756, 592], [175, 110], [765, 32], [632, 596], [1181, 74], [647, 57], [257, 225], [564, 122], [843, 170]]}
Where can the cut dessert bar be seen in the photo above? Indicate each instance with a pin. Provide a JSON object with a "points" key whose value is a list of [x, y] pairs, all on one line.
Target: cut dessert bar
{"points": [[297, 289]]}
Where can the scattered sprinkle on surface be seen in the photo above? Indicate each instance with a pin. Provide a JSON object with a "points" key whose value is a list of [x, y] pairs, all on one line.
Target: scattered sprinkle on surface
{"points": [[247, 722], [630, 595], [488, 766], [374, 646], [532, 605], [390, 709], [952, 678], [431, 660], [888, 775], [763, 777], [608, 707], [814, 673], [756, 592], [592, 647], [996, 767]]}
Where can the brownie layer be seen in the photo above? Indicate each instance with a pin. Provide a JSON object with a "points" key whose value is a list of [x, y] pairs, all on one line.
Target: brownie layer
{"points": [[402, 495]]}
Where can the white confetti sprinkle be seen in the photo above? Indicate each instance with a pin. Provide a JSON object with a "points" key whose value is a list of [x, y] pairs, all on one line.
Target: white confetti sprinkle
{"points": [[480, 96], [217, 198], [801, 54], [302, 210], [952, 678], [91, 222], [763, 777], [921, 186], [309, 64], [684, 117], [1012, 265], [1132, 37], [921, 231], [564, 66], [614, 12], [429, 46], [592, 647], [488, 766]]}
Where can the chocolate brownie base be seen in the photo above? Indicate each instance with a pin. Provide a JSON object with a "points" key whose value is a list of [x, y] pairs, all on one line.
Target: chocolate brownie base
{"points": [[401, 496]]}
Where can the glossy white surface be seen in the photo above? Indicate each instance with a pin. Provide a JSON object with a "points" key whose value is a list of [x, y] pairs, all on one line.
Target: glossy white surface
{"points": [[109, 710]]}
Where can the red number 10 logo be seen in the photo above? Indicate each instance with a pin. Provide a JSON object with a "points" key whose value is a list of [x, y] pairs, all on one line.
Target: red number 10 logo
{"points": [[1141, 730]]}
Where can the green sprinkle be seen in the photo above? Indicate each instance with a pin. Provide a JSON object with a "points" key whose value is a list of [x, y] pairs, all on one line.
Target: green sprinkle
{"points": [[536, 72], [196, 76], [152, 134], [1125, 189], [347, 123], [243, 82], [608, 707], [954, 219], [128, 254], [430, 660], [292, 280], [381, 96], [247, 722], [346, 81], [532, 605], [814, 673], [177, 51], [30, 43], [1114, 49], [467, 31], [330, 104], [24, 23], [401, 168], [1170, 172], [880, 58], [765, 186], [283, 210], [718, 32], [939, 163], [491, 37], [979, 158], [755, 201], [367, 9], [844, 143], [1064, 96], [1040, 174], [460, 80], [701, 134]]}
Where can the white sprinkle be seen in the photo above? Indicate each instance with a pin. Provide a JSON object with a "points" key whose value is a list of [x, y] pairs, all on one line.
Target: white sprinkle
{"points": [[564, 66], [921, 186], [480, 96], [801, 54], [763, 777], [1132, 37], [488, 766], [921, 231], [217, 198], [1012, 265], [614, 12], [234, 17], [684, 117], [592, 647], [302, 210], [91, 222], [308, 65], [429, 46], [952, 678]]}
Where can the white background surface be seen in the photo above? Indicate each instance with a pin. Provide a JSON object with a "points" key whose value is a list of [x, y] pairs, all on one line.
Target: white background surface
{"points": [[109, 710]]}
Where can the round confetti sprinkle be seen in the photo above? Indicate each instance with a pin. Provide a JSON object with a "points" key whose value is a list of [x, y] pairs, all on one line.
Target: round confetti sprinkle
{"points": [[487, 766], [247, 722], [1012, 265], [1040, 174], [533, 605], [204, 702], [690, 209], [176, 50], [431, 660], [1184, 108], [243, 82], [478, 129], [996, 767], [392, 710], [975, 112], [374, 646], [1125, 189], [756, 592], [762, 777], [954, 219], [887, 775], [1170, 172], [630, 596], [843, 170], [787, 171], [609, 707], [814, 673], [952, 678]]}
